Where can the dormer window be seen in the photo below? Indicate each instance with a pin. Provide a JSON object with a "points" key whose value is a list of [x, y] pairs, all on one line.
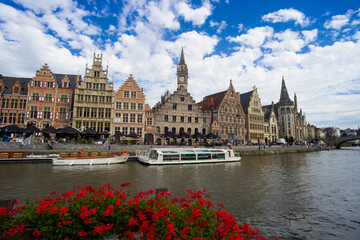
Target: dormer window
{"points": [[65, 84], [44, 73], [16, 90]]}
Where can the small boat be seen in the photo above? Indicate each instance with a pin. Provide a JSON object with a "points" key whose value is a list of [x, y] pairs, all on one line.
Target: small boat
{"points": [[162, 156], [89, 160]]}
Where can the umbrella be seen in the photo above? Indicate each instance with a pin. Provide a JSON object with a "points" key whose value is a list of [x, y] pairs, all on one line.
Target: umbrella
{"points": [[211, 135], [31, 129], [118, 134], [89, 131], [105, 133], [197, 135], [50, 129], [183, 135], [168, 135], [12, 129], [67, 130], [132, 135]]}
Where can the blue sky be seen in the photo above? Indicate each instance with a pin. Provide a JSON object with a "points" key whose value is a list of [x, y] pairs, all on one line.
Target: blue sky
{"points": [[315, 45]]}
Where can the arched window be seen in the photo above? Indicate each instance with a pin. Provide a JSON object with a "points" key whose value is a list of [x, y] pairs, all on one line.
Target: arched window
{"points": [[196, 130], [166, 129], [173, 130], [204, 131], [157, 129], [181, 130], [189, 131]]}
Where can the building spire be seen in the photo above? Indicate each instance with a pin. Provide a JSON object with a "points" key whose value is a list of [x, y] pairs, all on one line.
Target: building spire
{"points": [[182, 58], [284, 95]]}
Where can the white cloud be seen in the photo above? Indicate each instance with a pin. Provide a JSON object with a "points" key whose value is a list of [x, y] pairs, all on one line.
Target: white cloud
{"points": [[338, 21], [286, 15], [197, 16], [220, 26], [254, 37]]}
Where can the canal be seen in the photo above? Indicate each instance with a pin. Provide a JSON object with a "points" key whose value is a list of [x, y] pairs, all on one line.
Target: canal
{"points": [[292, 196]]}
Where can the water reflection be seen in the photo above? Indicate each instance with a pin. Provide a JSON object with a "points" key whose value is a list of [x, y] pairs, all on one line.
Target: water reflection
{"points": [[292, 196]]}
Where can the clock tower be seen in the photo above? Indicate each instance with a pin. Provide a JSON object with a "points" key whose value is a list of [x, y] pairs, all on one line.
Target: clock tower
{"points": [[182, 72]]}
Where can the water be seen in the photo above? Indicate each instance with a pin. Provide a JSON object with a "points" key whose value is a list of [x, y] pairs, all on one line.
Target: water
{"points": [[291, 196]]}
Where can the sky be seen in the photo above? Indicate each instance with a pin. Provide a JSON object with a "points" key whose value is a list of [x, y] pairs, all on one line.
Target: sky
{"points": [[314, 45]]}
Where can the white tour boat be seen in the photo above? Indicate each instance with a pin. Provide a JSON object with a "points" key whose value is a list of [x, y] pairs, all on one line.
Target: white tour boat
{"points": [[90, 160], [162, 156]]}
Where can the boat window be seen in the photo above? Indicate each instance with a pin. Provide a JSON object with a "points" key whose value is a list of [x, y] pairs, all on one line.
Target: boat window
{"points": [[188, 157], [220, 156], [153, 154], [202, 151], [216, 151], [169, 151], [204, 156], [170, 157]]}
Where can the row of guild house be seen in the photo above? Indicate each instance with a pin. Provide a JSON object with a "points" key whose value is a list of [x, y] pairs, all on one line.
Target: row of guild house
{"points": [[61, 100]]}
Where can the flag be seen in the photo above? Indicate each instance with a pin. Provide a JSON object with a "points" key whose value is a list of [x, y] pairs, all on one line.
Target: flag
{"points": [[29, 140]]}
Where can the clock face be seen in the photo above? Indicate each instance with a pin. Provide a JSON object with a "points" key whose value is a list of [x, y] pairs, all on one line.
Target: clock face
{"points": [[182, 79]]}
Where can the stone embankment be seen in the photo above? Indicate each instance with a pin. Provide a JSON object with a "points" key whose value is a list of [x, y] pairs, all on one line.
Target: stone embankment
{"points": [[43, 148]]}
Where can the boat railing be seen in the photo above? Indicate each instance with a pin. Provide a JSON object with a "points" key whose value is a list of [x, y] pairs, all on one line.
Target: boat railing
{"points": [[141, 153]]}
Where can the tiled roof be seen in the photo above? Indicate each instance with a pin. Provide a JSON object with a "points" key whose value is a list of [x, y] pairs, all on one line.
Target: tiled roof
{"points": [[245, 99], [212, 102], [72, 79], [9, 82]]}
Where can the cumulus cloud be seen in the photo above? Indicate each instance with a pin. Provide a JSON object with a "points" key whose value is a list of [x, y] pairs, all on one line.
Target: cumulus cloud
{"points": [[197, 16], [219, 26], [286, 15], [254, 37], [339, 21]]}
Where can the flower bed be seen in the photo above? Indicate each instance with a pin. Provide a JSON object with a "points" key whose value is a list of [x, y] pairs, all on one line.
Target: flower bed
{"points": [[89, 213]]}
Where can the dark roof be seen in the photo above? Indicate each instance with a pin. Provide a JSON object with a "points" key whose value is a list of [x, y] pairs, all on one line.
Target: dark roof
{"points": [[212, 102], [10, 81], [267, 111], [284, 95], [245, 99], [72, 79]]}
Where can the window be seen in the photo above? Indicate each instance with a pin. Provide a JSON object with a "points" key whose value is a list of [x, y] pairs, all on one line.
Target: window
{"points": [[86, 112], [101, 113], [118, 105], [94, 98], [93, 112], [125, 130], [108, 99], [37, 83], [102, 86], [33, 112], [79, 112], [96, 86], [140, 106], [189, 119], [49, 84], [204, 120], [174, 106], [189, 131], [63, 98], [189, 107], [16, 90], [125, 118], [21, 118], [80, 97], [48, 97], [88, 85], [102, 99], [12, 117], [287, 110], [14, 103], [126, 105], [148, 121], [182, 98], [132, 117], [96, 73], [139, 131], [166, 118], [196, 120], [22, 103], [47, 112], [133, 106], [117, 119], [126, 94], [65, 84], [133, 94], [35, 97], [6, 103], [182, 118], [132, 130], [62, 113], [282, 111], [139, 118], [174, 118], [108, 113]]}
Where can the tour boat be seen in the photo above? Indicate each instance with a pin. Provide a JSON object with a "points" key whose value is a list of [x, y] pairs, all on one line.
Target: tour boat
{"points": [[90, 160], [162, 156]]}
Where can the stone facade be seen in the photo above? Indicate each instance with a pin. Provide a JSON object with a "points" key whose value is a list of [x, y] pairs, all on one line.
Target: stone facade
{"points": [[13, 95], [49, 99], [149, 125], [130, 108], [228, 117], [254, 117], [271, 128], [178, 112], [94, 100]]}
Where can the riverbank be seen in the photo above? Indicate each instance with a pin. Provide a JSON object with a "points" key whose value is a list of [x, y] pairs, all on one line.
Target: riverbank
{"points": [[45, 149]]}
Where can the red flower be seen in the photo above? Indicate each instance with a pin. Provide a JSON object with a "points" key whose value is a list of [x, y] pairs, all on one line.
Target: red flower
{"points": [[133, 221], [63, 210], [82, 234], [126, 184], [129, 235], [36, 233]]}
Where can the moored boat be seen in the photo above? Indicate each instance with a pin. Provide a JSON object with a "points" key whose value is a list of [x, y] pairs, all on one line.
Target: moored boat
{"points": [[163, 156], [102, 159]]}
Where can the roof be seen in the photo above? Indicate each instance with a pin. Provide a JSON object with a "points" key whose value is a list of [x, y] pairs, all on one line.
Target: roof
{"points": [[245, 100], [284, 95], [72, 79], [212, 102], [9, 82]]}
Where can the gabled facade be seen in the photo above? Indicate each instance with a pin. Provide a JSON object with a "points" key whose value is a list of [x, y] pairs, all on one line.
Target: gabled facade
{"points": [[149, 125], [271, 128], [13, 95], [228, 118], [130, 108], [254, 117], [178, 112], [94, 99], [49, 99]]}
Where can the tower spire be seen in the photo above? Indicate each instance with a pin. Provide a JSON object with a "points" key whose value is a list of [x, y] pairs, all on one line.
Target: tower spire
{"points": [[182, 58], [284, 95]]}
